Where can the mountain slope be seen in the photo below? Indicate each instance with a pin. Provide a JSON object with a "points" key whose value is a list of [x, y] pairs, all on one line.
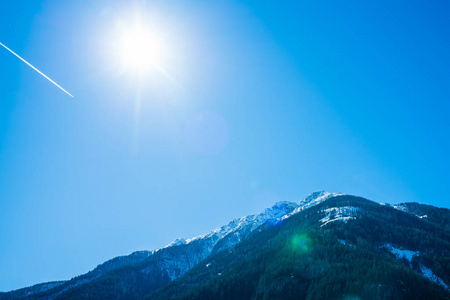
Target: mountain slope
{"points": [[438, 216], [174, 260], [162, 265], [311, 258], [328, 246]]}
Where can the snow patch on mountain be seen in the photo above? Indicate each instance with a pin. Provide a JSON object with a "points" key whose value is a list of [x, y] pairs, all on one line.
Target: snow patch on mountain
{"points": [[315, 198], [408, 255], [343, 213], [430, 275], [311, 200], [401, 253], [400, 207]]}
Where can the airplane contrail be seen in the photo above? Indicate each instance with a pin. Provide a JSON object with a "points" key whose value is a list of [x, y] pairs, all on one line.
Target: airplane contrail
{"points": [[37, 70]]}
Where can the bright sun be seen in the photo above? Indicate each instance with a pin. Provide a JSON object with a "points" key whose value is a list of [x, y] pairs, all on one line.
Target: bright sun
{"points": [[141, 49]]}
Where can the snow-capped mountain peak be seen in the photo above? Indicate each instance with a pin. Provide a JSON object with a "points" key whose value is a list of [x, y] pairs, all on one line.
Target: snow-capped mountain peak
{"points": [[311, 200], [316, 198], [244, 225], [179, 241], [251, 222], [277, 211]]}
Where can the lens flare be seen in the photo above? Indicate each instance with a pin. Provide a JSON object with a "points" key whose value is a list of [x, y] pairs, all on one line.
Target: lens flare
{"points": [[301, 243], [206, 133]]}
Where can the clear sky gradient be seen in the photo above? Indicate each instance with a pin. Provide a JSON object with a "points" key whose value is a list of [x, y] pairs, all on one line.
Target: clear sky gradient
{"points": [[254, 102]]}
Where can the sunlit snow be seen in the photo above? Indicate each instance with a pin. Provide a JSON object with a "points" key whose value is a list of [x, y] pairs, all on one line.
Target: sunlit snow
{"points": [[333, 214]]}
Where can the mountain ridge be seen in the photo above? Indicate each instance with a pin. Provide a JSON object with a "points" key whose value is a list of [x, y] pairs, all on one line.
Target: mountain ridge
{"points": [[342, 260], [216, 234], [165, 265]]}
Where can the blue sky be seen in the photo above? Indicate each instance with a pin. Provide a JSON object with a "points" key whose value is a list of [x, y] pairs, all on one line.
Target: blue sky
{"points": [[254, 102]]}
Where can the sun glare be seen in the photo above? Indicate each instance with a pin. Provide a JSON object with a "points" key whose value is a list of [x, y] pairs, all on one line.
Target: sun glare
{"points": [[141, 49]]}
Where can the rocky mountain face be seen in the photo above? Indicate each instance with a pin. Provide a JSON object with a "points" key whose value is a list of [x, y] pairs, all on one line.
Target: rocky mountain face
{"points": [[326, 246]]}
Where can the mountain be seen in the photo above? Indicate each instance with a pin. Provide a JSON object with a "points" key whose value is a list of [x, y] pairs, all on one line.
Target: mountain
{"points": [[329, 246]]}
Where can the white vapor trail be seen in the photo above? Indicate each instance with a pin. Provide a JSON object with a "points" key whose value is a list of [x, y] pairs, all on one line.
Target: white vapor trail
{"points": [[36, 70]]}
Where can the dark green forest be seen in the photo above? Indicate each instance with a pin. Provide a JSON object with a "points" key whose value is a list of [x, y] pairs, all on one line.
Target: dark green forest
{"points": [[301, 260]]}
